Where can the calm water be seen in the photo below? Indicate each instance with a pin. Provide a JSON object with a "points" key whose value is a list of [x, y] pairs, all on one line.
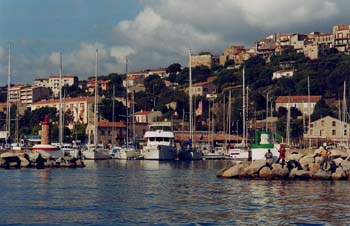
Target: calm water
{"points": [[166, 193]]}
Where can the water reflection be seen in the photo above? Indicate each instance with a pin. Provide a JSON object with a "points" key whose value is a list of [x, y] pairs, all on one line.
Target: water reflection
{"points": [[119, 192]]}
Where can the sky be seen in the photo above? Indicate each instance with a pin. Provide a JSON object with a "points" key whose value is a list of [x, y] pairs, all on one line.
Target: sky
{"points": [[152, 33]]}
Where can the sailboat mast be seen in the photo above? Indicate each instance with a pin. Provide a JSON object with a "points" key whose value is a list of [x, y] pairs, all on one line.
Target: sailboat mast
{"points": [[133, 119], [8, 116], [190, 95], [243, 113], [344, 108], [127, 97], [60, 135], [96, 100], [309, 110], [229, 117], [113, 117]]}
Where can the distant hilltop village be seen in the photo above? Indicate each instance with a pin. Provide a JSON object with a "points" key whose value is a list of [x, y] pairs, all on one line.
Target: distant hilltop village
{"points": [[312, 45], [278, 68]]}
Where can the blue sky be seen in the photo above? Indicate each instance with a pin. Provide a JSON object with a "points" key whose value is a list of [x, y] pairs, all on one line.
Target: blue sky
{"points": [[153, 33]]}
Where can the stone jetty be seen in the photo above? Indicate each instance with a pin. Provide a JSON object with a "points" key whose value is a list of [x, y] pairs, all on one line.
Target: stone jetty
{"points": [[36, 160], [335, 165]]}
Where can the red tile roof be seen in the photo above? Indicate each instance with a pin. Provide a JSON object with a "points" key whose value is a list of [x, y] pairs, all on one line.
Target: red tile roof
{"points": [[143, 112], [111, 124], [297, 99], [284, 70], [74, 99], [200, 84], [63, 76]]}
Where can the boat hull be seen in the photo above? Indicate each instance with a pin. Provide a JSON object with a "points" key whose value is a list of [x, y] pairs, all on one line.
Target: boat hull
{"points": [[95, 155], [190, 155], [162, 152], [48, 150]]}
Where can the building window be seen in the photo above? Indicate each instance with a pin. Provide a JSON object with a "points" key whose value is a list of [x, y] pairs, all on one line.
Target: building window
{"points": [[334, 132], [345, 132], [322, 122], [333, 123], [311, 125]]}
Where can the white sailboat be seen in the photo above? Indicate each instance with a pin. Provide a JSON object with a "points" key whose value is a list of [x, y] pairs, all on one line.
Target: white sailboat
{"points": [[189, 152], [95, 151], [241, 151], [127, 151]]}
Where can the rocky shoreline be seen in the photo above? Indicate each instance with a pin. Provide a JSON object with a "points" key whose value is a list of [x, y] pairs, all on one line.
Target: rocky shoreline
{"points": [[10, 160], [298, 165]]}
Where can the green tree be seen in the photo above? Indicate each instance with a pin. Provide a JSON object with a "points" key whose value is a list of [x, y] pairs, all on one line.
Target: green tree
{"points": [[321, 110]]}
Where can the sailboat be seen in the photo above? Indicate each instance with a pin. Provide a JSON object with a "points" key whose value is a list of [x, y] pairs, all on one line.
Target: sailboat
{"points": [[189, 152], [94, 151], [241, 151], [127, 151]]}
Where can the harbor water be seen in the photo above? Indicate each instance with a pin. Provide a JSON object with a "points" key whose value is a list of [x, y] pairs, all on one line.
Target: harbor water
{"points": [[118, 192]]}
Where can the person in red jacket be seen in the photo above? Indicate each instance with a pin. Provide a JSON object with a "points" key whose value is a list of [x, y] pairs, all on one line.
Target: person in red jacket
{"points": [[282, 155]]}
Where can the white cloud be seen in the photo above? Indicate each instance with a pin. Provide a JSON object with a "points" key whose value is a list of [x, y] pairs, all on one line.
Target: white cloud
{"points": [[2, 55], [276, 14], [121, 52], [163, 31]]}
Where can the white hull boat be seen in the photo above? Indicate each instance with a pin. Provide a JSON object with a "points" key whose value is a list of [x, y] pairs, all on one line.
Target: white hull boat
{"points": [[47, 150], [160, 142], [160, 152], [95, 154]]}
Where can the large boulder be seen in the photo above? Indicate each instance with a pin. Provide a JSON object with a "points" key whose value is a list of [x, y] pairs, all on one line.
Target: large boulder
{"points": [[306, 161], [2, 162], [232, 172], [33, 156], [294, 156], [255, 167], [303, 174], [322, 175], [339, 153], [8, 155], [279, 172], [265, 172], [314, 168], [24, 162], [339, 174], [292, 173], [221, 172]]}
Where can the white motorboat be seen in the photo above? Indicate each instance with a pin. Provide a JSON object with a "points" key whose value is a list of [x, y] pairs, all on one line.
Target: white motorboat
{"points": [[124, 153], [160, 142], [95, 153]]}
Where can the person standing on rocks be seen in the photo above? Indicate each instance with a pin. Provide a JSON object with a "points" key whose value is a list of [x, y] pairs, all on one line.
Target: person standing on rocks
{"points": [[282, 155], [269, 158]]}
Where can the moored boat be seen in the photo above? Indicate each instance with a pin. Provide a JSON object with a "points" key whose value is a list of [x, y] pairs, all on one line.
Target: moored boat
{"points": [[160, 142]]}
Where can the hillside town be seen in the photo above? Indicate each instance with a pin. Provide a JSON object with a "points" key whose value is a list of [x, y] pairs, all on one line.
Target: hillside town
{"points": [[159, 94]]}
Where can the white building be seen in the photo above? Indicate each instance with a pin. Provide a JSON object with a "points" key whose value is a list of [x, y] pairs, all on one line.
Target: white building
{"points": [[283, 73], [299, 102], [53, 82]]}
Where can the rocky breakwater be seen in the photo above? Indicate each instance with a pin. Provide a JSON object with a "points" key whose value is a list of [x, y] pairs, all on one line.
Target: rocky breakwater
{"points": [[335, 165], [36, 160]]}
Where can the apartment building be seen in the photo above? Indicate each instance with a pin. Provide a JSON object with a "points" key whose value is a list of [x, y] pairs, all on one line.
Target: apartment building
{"points": [[28, 94], [341, 35], [229, 53], [53, 82], [81, 108], [103, 85], [299, 102], [111, 133], [329, 129], [203, 88], [204, 59], [147, 116]]}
